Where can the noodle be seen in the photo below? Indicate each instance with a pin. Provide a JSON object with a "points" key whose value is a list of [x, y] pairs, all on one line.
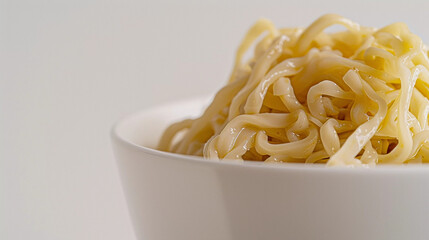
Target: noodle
{"points": [[358, 97]]}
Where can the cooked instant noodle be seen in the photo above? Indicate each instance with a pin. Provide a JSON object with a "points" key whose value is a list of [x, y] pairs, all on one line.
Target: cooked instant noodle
{"points": [[354, 97]]}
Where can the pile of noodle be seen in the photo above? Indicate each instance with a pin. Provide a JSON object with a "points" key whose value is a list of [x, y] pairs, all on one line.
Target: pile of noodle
{"points": [[355, 97]]}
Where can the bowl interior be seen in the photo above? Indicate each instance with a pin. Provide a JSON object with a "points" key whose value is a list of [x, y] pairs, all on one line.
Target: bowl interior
{"points": [[145, 127]]}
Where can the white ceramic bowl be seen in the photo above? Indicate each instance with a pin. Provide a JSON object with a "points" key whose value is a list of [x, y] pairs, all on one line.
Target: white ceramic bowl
{"points": [[180, 197]]}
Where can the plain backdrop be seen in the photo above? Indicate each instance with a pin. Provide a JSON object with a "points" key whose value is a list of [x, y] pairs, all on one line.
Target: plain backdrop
{"points": [[69, 69]]}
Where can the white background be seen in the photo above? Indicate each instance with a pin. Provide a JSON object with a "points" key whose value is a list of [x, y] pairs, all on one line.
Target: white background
{"points": [[68, 70]]}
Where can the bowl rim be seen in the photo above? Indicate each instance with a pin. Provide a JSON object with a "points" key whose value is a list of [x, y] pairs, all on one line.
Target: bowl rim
{"points": [[117, 138]]}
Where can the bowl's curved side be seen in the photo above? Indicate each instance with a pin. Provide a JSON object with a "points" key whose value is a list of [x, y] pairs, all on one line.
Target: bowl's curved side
{"points": [[170, 199], [178, 197]]}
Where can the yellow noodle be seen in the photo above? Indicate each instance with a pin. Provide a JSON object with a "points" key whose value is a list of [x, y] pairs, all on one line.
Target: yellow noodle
{"points": [[355, 97]]}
